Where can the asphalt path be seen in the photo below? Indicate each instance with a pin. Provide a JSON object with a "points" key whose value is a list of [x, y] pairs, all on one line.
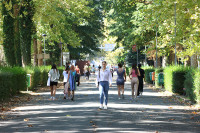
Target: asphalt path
{"points": [[152, 112]]}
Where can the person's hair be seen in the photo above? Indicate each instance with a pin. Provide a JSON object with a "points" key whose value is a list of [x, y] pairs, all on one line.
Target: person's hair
{"points": [[134, 66], [72, 68], [139, 65], [93, 65], [120, 65], [67, 68], [104, 62], [54, 67]]}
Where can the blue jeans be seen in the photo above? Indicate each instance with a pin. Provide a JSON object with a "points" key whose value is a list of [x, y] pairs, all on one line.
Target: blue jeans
{"points": [[103, 90]]}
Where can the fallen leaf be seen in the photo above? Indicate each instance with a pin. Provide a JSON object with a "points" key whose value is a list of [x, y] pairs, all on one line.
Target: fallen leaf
{"points": [[26, 119], [30, 125], [150, 104], [195, 113], [172, 119], [170, 107], [91, 121], [68, 115], [192, 118]]}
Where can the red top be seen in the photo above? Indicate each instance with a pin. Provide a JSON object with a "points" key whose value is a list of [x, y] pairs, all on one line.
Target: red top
{"points": [[134, 74], [77, 70]]}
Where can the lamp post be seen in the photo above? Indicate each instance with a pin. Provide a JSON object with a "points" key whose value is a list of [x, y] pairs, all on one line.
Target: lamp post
{"points": [[44, 35], [61, 53]]}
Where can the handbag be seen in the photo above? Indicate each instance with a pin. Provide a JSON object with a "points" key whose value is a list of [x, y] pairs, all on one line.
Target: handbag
{"points": [[66, 88], [48, 81]]}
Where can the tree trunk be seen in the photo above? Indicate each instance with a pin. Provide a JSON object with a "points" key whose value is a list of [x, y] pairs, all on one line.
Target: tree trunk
{"points": [[17, 46], [164, 61], [194, 62], [35, 52], [171, 58], [8, 41], [40, 61]]}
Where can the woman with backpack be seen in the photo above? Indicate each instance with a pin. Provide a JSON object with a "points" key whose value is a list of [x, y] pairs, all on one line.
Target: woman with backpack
{"points": [[54, 77], [72, 81], [134, 80]]}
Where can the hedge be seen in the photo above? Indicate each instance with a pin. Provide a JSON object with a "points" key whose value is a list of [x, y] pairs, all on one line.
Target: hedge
{"points": [[192, 85], [39, 75], [12, 81], [174, 78]]}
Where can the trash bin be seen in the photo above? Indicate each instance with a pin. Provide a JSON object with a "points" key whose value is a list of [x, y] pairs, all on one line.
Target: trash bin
{"points": [[150, 75], [153, 76], [160, 78], [28, 80]]}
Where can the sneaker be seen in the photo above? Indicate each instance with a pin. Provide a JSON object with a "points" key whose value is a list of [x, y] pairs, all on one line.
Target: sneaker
{"points": [[64, 98], [53, 98], [101, 107], [106, 107], [119, 98]]}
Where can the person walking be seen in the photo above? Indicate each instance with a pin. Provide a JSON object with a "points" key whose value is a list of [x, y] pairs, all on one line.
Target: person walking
{"points": [[54, 77], [121, 78], [72, 81], [140, 78], [104, 77], [78, 75], [66, 84], [134, 73], [112, 70]]}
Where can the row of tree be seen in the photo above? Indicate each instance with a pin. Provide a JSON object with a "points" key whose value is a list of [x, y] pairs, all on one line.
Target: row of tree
{"points": [[167, 23], [78, 24]]}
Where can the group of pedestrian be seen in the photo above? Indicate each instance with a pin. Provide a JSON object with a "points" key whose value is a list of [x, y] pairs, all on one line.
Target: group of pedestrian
{"points": [[71, 76], [104, 80]]}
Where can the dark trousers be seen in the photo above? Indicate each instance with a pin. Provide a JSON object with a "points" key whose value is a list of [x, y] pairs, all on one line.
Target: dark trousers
{"points": [[140, 86]]}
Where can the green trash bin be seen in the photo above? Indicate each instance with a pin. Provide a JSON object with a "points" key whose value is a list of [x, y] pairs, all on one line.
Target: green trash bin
{"points": [[161, 79], [150, 75], [28, 80]]}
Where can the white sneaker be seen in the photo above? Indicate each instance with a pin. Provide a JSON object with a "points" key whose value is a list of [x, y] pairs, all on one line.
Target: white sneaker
{"points": [[105, 107], [51, 98], [101, 107], [54, 98], [119, 98]]}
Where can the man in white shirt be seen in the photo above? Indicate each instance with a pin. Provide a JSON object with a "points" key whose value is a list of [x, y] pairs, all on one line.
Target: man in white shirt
{"points": [[104, 79]]}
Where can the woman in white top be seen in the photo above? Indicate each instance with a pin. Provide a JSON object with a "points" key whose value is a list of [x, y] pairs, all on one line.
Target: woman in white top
{"points": [[65, 74], [54, 77], [104, 78]]}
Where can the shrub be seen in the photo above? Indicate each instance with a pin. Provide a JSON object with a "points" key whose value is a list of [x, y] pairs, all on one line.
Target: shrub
{"points": [[12, 80], [192, 84], [174, 78]]}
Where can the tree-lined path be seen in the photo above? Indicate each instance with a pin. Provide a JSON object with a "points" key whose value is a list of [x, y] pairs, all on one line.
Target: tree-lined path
{"points": [[150, 113]]}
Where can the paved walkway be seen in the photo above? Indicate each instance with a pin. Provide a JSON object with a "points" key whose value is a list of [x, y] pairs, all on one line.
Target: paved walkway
{"points": [[150, 113]]}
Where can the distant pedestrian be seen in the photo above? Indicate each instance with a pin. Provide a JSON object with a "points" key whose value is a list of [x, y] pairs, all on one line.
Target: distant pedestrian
{"points": [[112, 70], [66, 84], [121, 78], [141, 78], [99, 67], [93, 69], [54, 77], [134, 80], [72, 81], [87, 71], [78, 75], [104, 77]]}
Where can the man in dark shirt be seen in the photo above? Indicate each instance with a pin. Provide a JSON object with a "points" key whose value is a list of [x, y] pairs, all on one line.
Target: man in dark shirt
{"points": [[141, 77]]}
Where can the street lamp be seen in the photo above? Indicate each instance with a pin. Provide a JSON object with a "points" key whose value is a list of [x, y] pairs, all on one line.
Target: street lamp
{"points": [[61, 53], [44, 35]]}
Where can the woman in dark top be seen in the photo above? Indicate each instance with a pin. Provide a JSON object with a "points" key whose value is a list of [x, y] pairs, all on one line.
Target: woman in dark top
{"points": [[121, 78], [140, 78]]}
